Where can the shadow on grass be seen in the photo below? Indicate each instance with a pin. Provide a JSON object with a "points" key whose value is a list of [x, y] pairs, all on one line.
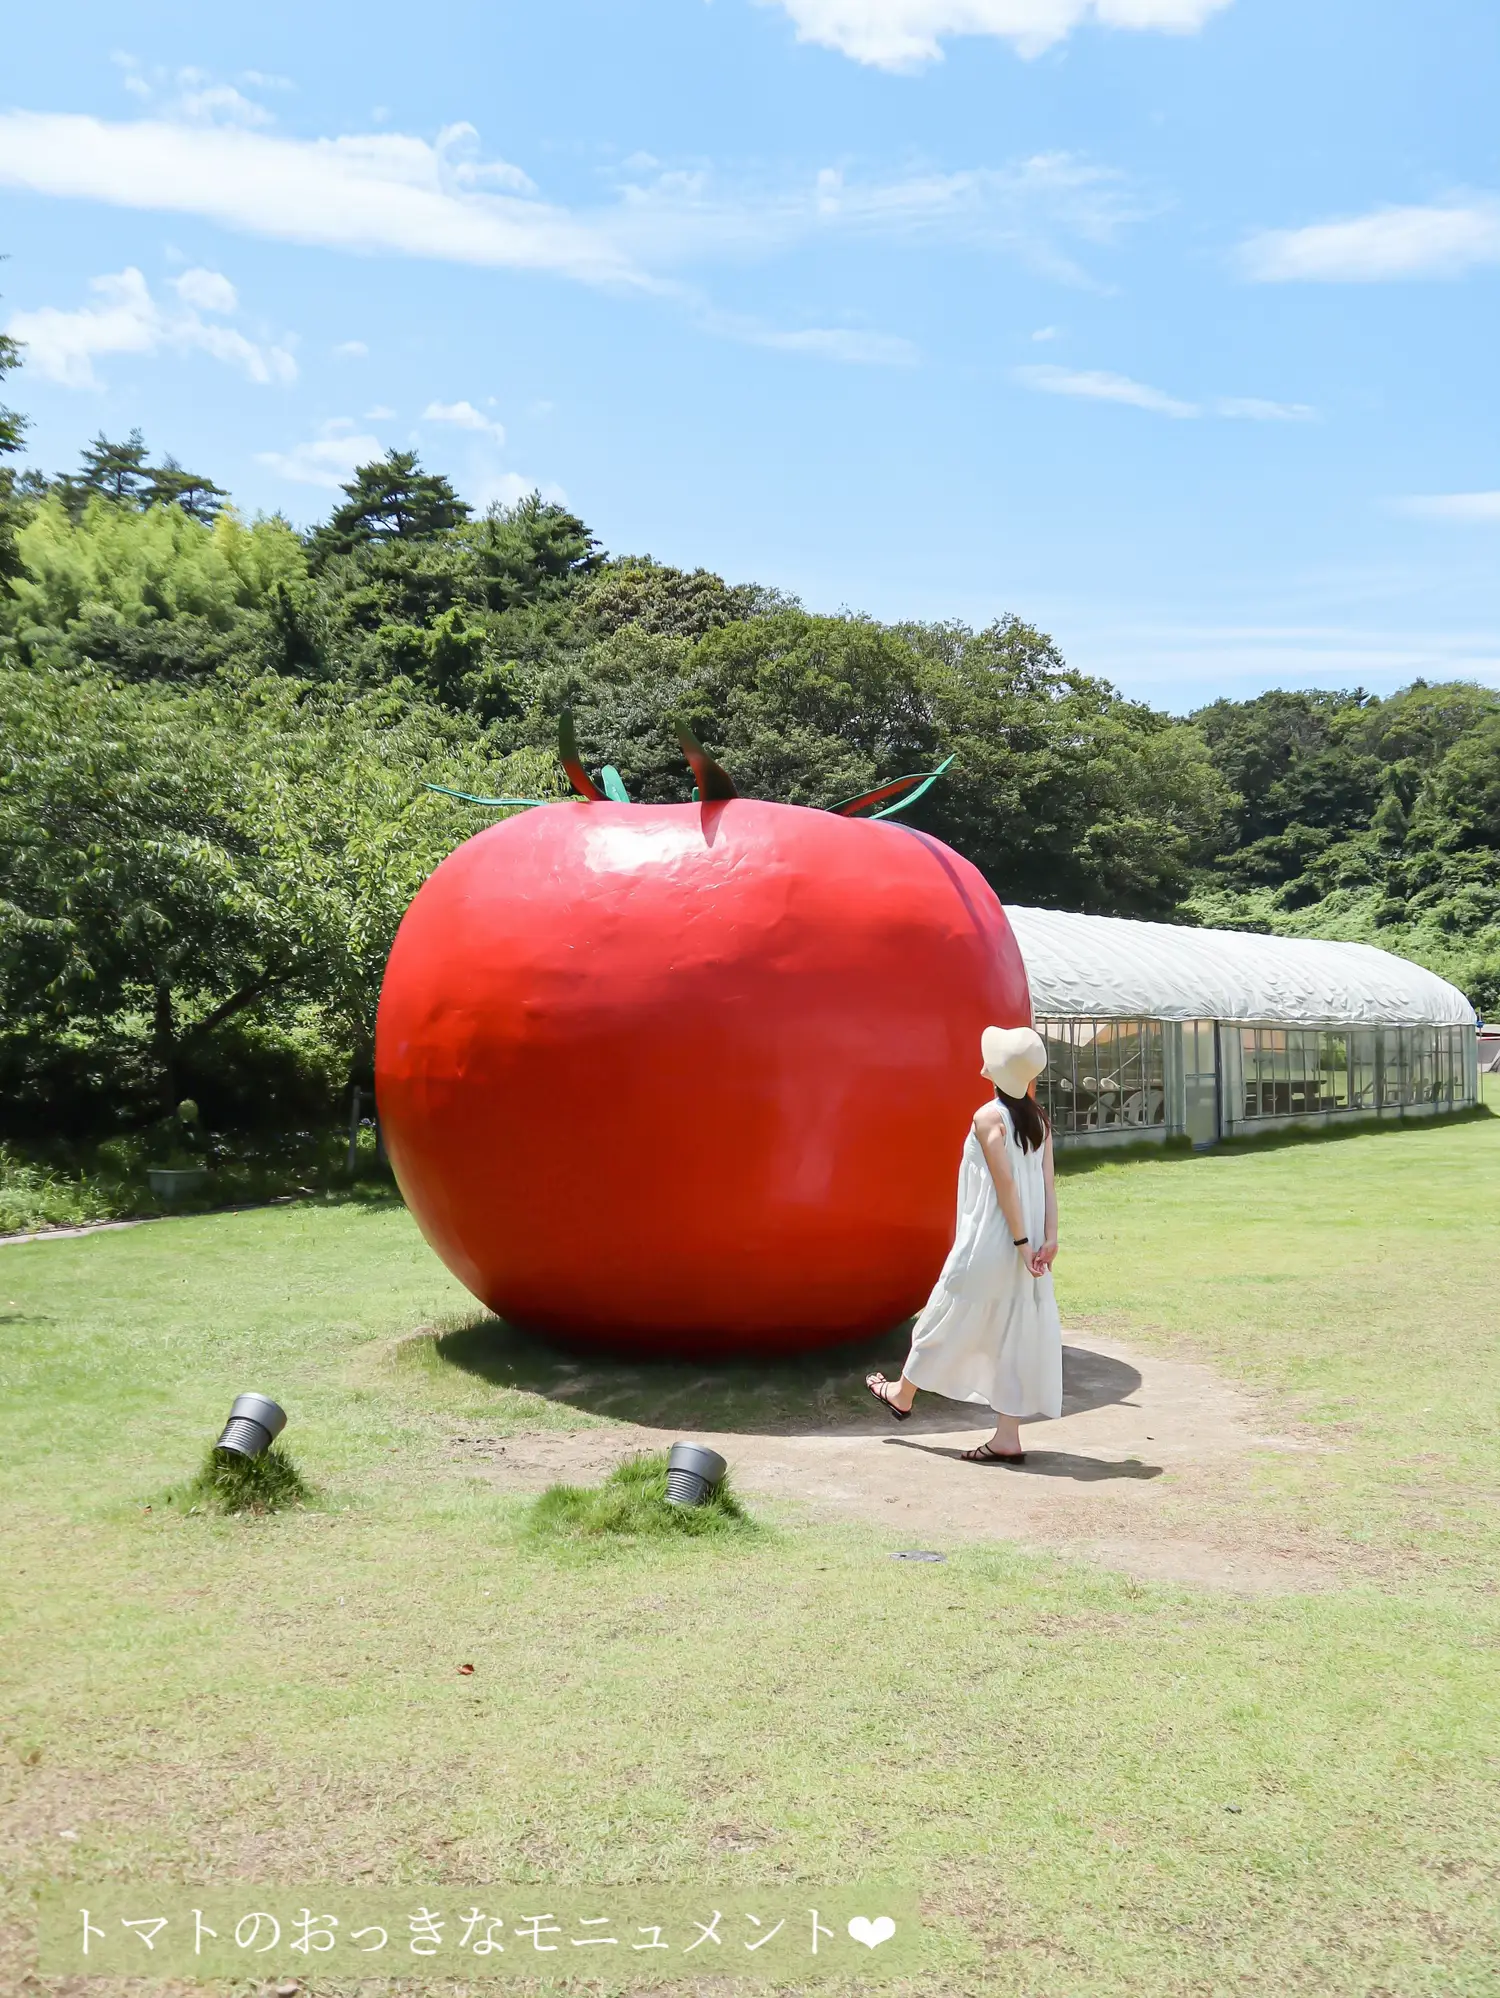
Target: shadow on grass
{"points": [[822, 1391]]}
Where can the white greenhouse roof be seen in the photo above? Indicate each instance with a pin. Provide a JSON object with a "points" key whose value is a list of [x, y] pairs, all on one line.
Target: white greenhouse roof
{"points": [[1113, 968]]}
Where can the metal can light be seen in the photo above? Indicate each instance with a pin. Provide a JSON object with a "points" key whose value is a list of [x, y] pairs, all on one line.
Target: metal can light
{"points": [[255, 1421], [693, 1474]]}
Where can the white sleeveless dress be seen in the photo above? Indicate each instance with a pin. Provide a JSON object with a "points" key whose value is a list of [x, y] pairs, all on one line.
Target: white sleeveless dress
{"points": [[990, 1331]]}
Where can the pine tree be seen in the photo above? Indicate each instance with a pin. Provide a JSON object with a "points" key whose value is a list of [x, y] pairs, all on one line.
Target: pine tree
{"points": [[119, 471], [392, 499], [167, 484]]}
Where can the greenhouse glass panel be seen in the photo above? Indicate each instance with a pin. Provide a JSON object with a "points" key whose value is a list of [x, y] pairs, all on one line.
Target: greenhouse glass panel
{"points": [[1310, 1071], [1333, 1063], [1364, 1084], [1390, 1066], [1101, 1075], [1449, 1074], [1250, 1063], [1423, 1069]]}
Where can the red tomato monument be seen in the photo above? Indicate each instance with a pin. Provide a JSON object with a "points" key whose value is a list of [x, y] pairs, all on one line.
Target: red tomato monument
{"points": [[692, 1079]]}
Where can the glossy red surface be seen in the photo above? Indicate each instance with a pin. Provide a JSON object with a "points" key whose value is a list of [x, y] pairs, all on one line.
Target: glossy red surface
{"points": [[692, 1078]]}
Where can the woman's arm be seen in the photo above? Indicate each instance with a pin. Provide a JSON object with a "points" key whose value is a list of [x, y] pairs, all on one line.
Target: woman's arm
{"points": [[991, 1133], [1048, 1250]]}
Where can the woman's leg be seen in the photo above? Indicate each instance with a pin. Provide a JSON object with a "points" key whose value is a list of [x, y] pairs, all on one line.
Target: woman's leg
{"points": [[1007, 1437], [1006, 1443]]}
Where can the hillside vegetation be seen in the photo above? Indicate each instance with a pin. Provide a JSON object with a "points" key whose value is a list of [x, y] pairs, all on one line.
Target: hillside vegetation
{"points": [[216, 737]]}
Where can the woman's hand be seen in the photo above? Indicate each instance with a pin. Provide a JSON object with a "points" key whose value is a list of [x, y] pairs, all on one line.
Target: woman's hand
{"points": [[1046, 1255], [1032, 1258]]}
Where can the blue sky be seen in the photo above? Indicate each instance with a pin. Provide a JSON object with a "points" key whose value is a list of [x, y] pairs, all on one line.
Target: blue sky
{"points": [[1170, 325]]}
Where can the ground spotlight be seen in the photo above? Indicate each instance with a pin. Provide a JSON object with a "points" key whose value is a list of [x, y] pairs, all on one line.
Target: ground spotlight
{"points": [[255, 1421], [693, 1474]]}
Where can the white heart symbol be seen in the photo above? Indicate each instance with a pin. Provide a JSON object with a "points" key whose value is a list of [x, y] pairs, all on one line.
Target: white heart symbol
{"points": [[872, 1934]]}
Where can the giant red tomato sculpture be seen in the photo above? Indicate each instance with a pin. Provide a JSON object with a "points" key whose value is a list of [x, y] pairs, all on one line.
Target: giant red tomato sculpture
{"points": [[692, 1078]]}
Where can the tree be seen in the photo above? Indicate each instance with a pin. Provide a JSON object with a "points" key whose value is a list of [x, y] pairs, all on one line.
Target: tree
{"points": [[12, 430], [1299, 775], [175, 860], [632, 589], [167, 484], [1458, 808], [12, 426], [136, 570], [1063, 792], [122, 474], [117, 472], [1060, 791], [472, 614], [529, 553], [127, 876], [390, 499], [1376, 821]]}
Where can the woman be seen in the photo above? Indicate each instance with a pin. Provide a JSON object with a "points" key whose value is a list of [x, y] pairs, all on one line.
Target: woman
{"points": [[989, 1332]]}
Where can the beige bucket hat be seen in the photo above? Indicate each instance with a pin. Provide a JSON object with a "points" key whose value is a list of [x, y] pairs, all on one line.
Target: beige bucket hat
{"points": [[1012, 1057]]}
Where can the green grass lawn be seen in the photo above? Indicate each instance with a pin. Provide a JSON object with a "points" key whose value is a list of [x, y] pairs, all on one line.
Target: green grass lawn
{"points": [[1097, 1786]]}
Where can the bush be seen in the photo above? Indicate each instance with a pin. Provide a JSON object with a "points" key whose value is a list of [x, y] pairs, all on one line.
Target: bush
{"points": [[59, 1184], [36, 1194]]}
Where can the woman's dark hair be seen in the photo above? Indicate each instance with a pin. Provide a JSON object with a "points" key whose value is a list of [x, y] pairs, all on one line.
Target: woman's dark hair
{"points": [[1029, 1119]]}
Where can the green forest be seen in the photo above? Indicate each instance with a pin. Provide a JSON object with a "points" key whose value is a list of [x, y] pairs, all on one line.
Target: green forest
{"points": [[216, 734]]}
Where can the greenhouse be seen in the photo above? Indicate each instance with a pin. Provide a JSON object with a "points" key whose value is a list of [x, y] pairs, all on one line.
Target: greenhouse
{"points": [[1155, 1031]]}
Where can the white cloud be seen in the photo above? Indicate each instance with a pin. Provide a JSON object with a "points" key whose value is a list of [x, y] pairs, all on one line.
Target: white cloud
{"points": [[1256, 409], [1047, 333], [1096, 385], [221, 102], [1469, 508], [131, 75], [842, 343], [192, 93], [377, 193], [506, 488], [675, 216], [379, 414], [829, 343], [459, 147], [388, 193], [63, 346], [902, 34], [465, 417], [1443, 240], [329, 458], [351, 350], [210, 291]]}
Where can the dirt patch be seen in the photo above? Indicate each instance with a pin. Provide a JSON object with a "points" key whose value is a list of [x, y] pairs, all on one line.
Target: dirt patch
{"points": [[1149, 1471]]}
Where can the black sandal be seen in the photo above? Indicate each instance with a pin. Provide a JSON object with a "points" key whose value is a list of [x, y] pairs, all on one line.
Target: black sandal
{"points": [[985, 1455], [901, 1414]]}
